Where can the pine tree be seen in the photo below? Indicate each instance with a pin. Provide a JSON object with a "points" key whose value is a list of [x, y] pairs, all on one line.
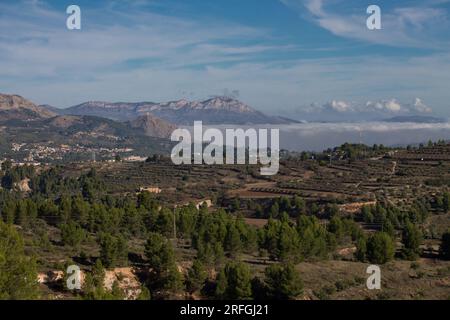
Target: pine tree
{"points": [[117, 292], [233, 243], [446, 202], [367, 215], [113, 249], [197, 276], [234, 282], [72, 234], [300, 205], [154, 251], [411, 239], [336, 227], [288, 243], [388, 227], [361, 248], [380, 248], [445, 245], [283, 281], [144, 294], [221, 285], [161, 257], [98, 273], [18, 276]]}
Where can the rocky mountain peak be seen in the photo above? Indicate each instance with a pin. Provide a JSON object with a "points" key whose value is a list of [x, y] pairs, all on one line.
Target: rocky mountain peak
{"points": [[17, 107], [227, 103]]}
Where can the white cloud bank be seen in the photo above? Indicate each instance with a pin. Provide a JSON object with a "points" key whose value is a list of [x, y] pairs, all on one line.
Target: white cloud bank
{"points": [[382, 107]]}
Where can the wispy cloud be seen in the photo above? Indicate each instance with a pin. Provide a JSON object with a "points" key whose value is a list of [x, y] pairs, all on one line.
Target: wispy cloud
{"points": [[401, 26], [34, 41]]}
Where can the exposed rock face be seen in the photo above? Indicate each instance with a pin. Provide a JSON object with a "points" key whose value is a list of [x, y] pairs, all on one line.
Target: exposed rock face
{"points": [[153, 126], [14, 107], [23, 185], [125, 277]]}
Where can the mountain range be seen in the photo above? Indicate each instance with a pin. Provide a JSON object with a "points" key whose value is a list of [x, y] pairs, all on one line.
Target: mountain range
{"points": [[217, 110], [18, 111], [143, 126]]}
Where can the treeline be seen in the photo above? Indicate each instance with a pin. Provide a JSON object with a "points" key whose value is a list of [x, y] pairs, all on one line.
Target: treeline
{"points": [[346, 151], [52, 183], [275, 208], [393, 222], [391, 217], [307, 238]]}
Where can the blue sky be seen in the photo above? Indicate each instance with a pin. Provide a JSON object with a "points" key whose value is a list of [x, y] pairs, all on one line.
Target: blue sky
{"points": [[303, 58]]}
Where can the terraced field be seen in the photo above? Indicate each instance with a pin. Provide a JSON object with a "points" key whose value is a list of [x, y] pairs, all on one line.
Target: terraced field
{"points": [[400, 176]]}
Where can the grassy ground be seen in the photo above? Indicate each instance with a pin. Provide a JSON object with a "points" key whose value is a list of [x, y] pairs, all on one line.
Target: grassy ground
{"points": [[424, 279]]}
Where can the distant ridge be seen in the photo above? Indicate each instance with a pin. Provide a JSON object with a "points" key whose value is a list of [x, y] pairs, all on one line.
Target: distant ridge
{"points": [[416, 119], [217, 110]]}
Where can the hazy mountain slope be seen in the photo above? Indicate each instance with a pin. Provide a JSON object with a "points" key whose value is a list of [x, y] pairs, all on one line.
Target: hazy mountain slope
{"points": [[153, 126], [143, 126], [55, 110], [118, 111]]}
